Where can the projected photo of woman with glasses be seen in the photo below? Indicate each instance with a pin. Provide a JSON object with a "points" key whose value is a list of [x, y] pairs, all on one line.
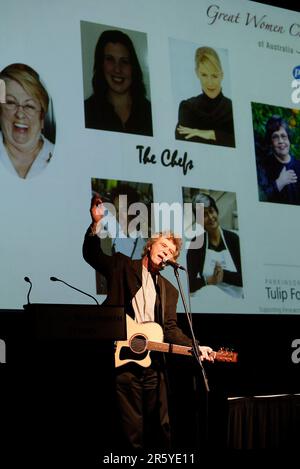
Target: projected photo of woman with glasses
{"points": [[24, 148], [277, 139]]}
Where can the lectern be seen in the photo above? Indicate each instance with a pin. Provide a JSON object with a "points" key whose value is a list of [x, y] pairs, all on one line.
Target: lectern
{"points": [[71, 363], [73, 334]]}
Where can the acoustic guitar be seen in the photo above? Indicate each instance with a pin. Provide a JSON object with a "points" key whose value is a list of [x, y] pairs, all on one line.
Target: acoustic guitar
{"points": [[147, 336]]}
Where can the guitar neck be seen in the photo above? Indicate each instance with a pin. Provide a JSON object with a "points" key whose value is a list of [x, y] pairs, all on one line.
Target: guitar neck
{"points": [[221, 356], [137, 346], [169, 348]]}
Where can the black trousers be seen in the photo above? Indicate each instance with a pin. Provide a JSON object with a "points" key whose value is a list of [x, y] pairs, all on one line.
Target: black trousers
{"points": [[143, 408]]}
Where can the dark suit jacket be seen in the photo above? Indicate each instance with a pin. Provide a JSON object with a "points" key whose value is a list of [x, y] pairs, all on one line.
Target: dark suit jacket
{"points": [[124, 279]]}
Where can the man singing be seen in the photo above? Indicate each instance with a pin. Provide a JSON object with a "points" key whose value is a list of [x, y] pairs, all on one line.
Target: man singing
{"points": [[146, 296]]}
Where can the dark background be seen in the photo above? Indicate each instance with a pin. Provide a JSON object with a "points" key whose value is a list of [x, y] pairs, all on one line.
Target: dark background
{"points": [[57, 396], [286, 4]]}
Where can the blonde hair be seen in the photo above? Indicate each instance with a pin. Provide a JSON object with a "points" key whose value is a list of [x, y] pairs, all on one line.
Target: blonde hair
{"points": [[207, 54], [29, 79], [164, 234]]}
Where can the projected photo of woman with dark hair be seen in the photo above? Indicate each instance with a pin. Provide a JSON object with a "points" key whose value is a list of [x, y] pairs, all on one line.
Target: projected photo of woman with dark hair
{"points": [[217, 262], [277, 148], [118, 101], [127, 224], [27, 125], [206, 117]]}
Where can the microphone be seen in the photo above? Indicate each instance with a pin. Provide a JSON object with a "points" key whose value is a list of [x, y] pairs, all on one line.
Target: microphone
{"points": [[55, 279], [27, 279], [173, 264]]}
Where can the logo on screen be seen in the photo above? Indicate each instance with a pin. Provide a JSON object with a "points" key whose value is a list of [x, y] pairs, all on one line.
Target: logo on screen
{"points": [[295, 96], [296, 72]]}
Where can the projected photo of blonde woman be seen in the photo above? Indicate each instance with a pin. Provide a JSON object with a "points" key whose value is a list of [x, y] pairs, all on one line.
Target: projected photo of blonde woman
{"points": [[206, 117], [27, 127]]}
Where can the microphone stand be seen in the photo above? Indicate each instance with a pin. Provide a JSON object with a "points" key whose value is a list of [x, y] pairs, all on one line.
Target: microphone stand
{"points": [[55, 279], [196, 353], [27, 279], [195, 345]]}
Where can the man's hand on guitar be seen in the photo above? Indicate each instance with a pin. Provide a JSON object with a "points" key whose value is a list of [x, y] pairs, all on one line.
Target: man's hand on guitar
{"points": [[207, 353]]}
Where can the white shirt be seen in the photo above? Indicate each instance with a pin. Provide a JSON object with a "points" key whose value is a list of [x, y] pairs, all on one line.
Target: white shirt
{"points": [[39, 164], [143, 302], [223, 258]]}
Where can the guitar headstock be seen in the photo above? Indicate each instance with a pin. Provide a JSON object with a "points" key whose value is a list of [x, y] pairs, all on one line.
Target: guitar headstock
{"points": [[226, 355]]}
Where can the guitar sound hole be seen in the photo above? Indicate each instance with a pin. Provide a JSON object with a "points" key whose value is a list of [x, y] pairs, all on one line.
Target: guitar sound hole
{"points": [[138, 343]]}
